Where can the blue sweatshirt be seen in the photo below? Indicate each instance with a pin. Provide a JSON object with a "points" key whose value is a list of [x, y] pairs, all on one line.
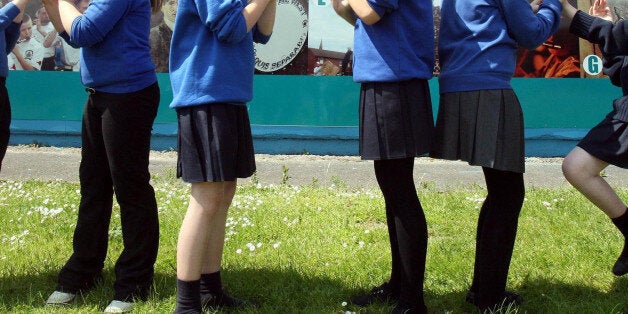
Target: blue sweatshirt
{"points": [[11, 34], [400, 46], [211, 53], [478, 40], [115, 51]]}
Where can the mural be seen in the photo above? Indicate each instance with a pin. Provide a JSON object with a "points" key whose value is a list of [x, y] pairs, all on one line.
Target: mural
{"points": [[309, 39]]}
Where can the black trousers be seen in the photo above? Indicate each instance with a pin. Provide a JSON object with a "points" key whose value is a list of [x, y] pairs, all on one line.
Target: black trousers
{"points": [[48, 64], [114, 158], [5, 119]]}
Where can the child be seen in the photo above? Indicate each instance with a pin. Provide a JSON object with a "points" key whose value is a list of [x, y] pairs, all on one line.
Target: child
{"points": [[393, 58], [10, 23], [211, 70], [607, 142], [123, 97], [480, 120]]}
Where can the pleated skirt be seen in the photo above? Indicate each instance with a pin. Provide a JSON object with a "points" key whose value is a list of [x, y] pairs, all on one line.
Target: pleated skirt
{"points": [[608, 141], [484, 128], [214, 143], [396, 119]]}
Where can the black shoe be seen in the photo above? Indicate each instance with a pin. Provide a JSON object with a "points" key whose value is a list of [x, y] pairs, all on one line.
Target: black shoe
{"points": [[400, 309], [381, 294], [510, 298], [621, 266], [223, 300]]}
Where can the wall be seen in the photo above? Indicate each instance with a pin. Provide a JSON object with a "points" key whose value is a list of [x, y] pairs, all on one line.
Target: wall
{"points": [[294, 114]]}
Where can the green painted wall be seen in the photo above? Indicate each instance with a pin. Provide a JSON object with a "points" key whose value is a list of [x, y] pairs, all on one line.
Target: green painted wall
{"points": [[317, 101]]}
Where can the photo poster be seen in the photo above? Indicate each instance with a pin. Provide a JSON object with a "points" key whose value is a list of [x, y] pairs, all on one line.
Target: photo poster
{"points": [[564, 55], [309, 38]]}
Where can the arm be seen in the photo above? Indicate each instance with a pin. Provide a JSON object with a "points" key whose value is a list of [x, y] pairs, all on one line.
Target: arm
{"points": [[23, 62], [611, 38], [92, 26], [231, 20], [343, 9], [50, 39], [527, 28], [266, 21], [253, 11], [364, 11], [12, 34]]}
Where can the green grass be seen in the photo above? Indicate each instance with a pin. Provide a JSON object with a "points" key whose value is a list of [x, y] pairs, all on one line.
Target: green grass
{"points": [[315, 246]]}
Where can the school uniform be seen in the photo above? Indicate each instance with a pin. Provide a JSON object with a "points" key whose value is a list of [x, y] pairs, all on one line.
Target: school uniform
{"points": [[123, 97], [608, 140], [392, 60], [480, 120], [11, 33], [211, 72]]}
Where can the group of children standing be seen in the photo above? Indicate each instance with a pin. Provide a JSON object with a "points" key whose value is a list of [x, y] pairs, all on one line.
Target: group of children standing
{"points": [[211, 66]]}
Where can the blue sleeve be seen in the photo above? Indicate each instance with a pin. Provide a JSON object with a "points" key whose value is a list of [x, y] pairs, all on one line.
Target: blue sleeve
{"points": [[224, 18], [383, 6], [7, 15], [258, 37], [11, 35], [97, 21], [529, 29]]}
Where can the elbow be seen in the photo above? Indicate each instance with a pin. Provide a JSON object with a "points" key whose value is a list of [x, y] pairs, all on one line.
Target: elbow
{"points": [[370, 18]]}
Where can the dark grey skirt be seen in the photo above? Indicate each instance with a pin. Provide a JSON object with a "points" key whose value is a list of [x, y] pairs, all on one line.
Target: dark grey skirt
{"points": [[214, 143], [484, 128], [608, 141], [396, 119]]}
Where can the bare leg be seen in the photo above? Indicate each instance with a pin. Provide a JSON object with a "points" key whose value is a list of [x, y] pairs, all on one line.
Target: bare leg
{"points": [[582, 170], [202, 228], [213, 254]]}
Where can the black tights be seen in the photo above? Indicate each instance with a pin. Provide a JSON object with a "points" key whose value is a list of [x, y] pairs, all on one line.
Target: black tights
{"points": [[496, 232], [407, 229]]}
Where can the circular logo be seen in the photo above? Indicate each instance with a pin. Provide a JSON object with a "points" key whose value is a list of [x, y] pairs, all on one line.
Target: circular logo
{"points": [[592, 65], [289, 36]]}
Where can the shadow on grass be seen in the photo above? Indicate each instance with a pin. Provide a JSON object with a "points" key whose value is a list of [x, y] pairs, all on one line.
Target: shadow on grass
{"points": [[290, 291], [547, 296]]}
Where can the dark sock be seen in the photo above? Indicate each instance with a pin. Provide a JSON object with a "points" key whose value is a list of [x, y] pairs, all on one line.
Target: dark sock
{"points": [[621, 223], [211, 283], [188, 297]]}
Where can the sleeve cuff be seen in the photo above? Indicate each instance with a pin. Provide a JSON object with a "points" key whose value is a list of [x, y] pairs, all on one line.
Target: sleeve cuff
{"points": [[581, 24]]}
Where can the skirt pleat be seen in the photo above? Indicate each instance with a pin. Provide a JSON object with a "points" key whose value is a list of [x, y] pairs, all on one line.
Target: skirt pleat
{"points": [[484, 128], [396, 120]]}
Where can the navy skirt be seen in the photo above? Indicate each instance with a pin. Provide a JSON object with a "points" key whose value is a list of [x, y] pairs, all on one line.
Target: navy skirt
{"points": [[484, 128], [214, 143], [396, 119], [608, 141]]}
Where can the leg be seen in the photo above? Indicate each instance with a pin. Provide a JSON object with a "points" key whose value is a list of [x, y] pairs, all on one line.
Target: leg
{"points": [[127, 124], [5, 119], [211, 290], [582, 170], [397, 184], [91, 232], [497, 230], [206, 208], [213, 254]]}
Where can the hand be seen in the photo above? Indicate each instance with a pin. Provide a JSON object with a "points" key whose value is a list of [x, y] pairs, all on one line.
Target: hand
{"points": [[600, 9], [536, 4]]}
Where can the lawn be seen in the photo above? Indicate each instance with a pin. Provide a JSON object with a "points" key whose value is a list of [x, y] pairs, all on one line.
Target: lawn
{"points": [[308, 249]]}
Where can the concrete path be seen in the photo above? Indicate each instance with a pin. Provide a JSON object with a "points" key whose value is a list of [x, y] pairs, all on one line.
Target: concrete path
{"points": [[51, 163]]}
